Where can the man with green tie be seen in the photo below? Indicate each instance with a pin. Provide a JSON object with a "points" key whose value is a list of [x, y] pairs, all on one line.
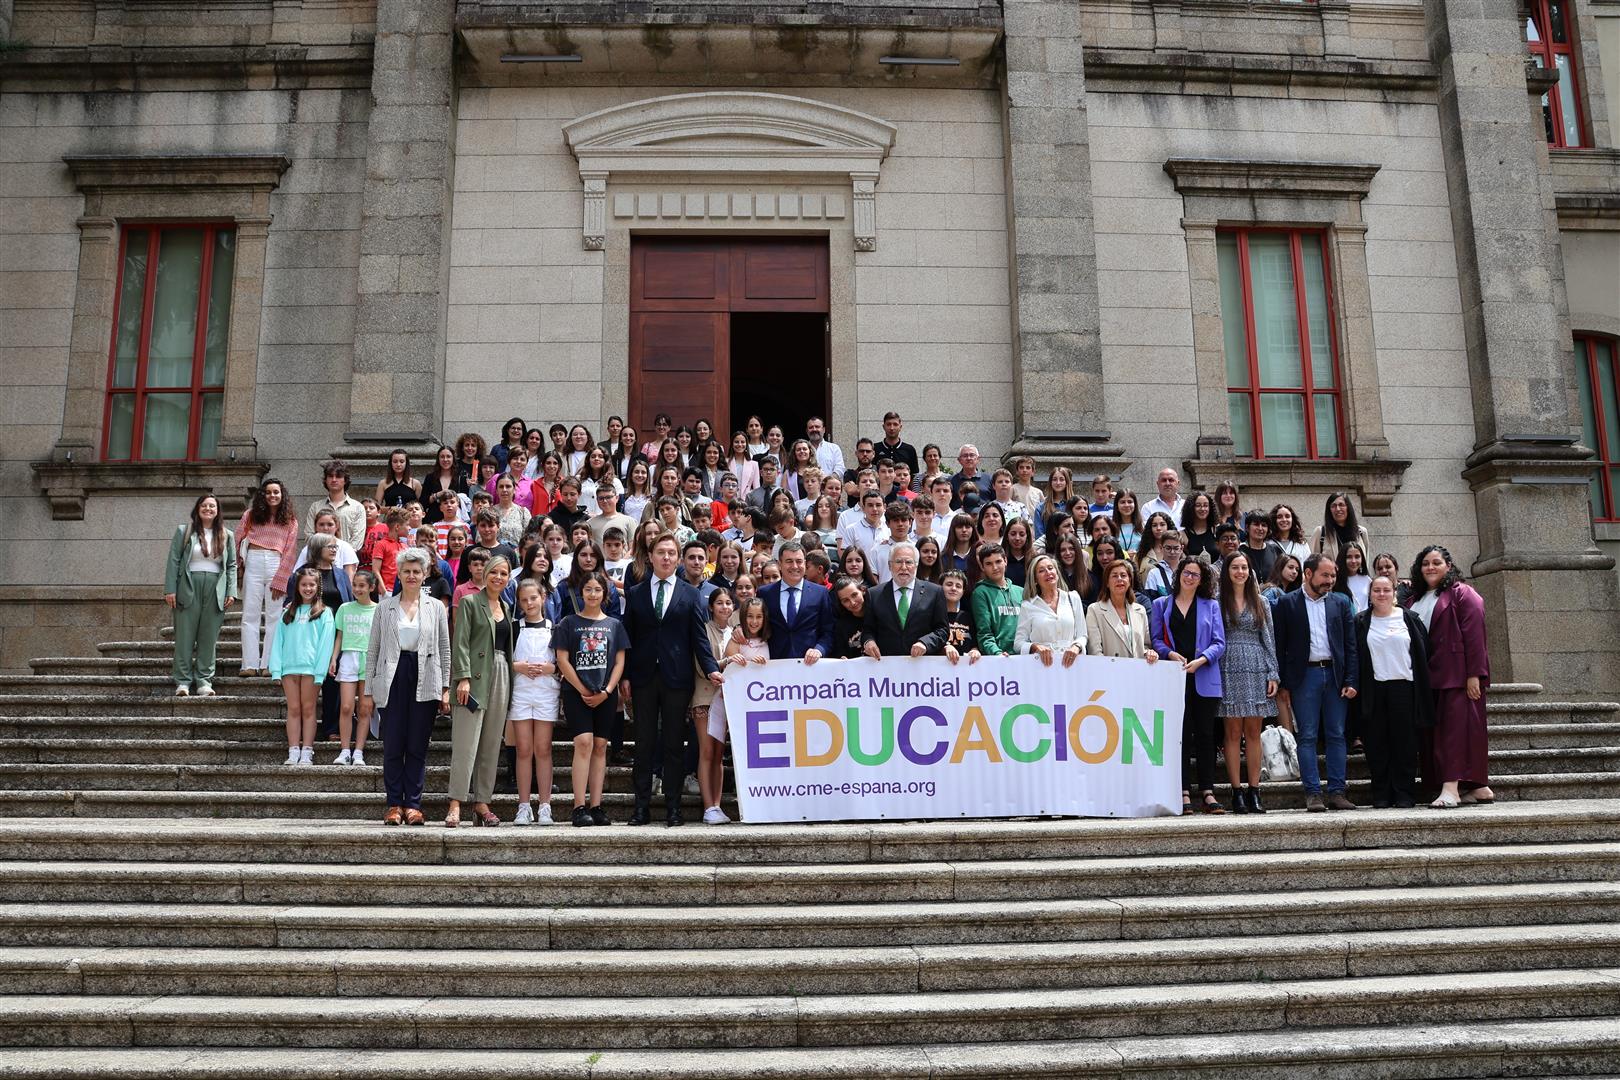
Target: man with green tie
{"points": [[905, 617]]}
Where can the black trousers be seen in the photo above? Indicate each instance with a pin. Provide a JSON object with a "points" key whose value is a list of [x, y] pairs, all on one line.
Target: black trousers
{"points": [[327, 726], [1198, 740], [660, 712], [1389, 737]]}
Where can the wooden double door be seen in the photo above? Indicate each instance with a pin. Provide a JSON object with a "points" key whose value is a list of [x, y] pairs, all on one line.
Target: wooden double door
{"points": [[692, 301]]}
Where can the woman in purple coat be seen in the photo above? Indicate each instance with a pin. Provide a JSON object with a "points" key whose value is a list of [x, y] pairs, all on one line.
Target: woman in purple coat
{"points": [[1455, 755], [1187, 628]]}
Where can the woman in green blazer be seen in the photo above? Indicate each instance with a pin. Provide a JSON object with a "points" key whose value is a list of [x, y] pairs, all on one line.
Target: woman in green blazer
{"points": [[199, 583], [481, 638]]}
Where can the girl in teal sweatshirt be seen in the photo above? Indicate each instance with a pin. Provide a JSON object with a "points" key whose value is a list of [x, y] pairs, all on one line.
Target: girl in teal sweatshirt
{"points": [[299, 657]]}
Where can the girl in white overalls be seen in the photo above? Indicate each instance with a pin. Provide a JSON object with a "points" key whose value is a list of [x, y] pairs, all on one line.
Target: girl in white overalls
{"points": [[535, 705]]}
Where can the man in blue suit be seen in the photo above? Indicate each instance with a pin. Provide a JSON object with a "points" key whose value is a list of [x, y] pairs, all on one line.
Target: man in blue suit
{"points": [[665, 621], [1316, 657], [801, 612]]}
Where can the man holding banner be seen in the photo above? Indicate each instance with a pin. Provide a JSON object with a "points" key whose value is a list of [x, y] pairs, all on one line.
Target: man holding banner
{"points": [[905, 617]]}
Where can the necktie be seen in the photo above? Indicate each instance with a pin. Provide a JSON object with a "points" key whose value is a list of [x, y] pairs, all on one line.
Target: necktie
{"points": [[793, 604], [905, 605], [663, 589]]}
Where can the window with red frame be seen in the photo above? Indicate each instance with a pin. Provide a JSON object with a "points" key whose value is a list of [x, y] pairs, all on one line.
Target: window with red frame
{"points": [[1600, 417], [1549, 30], [171, 324], [1282, 365]]}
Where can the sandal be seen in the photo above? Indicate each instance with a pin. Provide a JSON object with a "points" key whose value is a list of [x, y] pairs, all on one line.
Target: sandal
{"points": [[414, 817], [1445, 802], [453, 821], [1186, 802], [485, 818], [1212, 805]]}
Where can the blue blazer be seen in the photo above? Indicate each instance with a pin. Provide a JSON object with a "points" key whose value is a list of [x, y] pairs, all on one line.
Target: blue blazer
{"points": [[1210, 642], [669, 647], [814, 627], [1293, 632]]}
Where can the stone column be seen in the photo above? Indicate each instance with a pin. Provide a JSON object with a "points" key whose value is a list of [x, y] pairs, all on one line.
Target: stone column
{"points": [[1552, 603], [1052, 256], [396, 396]]}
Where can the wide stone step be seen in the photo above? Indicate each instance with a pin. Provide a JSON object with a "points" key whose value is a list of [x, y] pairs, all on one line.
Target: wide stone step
{"points": [[281, 841], [195, 720], [300, 805], [792, 1021], [240, 752], [698, 883], [810, 972], [269, 775], [1551, 736], [359, 797], [536, 926], [227, 685], [24, 712], [1540, 1048], [1508, 713]]}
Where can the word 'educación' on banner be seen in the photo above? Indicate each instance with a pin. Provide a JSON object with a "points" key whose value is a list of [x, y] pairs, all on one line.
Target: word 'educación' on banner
{"points": [[923, 738]]}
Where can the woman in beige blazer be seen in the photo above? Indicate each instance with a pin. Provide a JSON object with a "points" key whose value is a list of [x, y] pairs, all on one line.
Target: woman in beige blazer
{"points": [[1116, 625], [408, 677]]}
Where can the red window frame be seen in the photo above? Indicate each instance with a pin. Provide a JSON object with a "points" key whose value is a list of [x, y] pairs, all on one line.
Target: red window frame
{"points": [[1547, 50], [1586, 353], [1255, 390], [140, 390]]}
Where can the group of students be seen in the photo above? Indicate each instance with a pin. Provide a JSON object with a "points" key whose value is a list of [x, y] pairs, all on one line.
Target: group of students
{"points": [[489, 582]]}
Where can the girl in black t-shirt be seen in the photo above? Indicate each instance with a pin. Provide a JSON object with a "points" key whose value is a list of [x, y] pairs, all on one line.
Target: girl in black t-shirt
{"points": [[590, 648]]}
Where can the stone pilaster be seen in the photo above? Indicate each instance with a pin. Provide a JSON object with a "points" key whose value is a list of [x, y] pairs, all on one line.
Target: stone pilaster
{"points": [[1552, 604], [1052, 258], [396, 395]]}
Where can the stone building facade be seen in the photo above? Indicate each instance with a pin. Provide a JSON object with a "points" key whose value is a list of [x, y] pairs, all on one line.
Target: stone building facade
{"points": [[1029, 211]]}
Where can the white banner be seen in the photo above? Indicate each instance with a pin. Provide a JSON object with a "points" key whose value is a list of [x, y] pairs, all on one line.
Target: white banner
{"points": [[846, 740]]}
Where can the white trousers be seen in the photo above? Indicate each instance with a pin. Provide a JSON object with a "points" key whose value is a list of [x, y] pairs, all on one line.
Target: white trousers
{"points": [[260, 611]]}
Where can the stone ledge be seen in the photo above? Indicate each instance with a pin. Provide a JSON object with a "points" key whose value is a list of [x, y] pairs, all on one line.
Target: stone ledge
{"points": [[1296, 179], [808, 14], [1374, 480], [142, 173], [68, 484], [1208, 71], [209, 68]]}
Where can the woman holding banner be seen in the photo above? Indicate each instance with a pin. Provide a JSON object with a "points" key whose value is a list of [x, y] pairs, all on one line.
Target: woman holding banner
{"points": [[1188, 629], [1051, 620], [1117, 625]]}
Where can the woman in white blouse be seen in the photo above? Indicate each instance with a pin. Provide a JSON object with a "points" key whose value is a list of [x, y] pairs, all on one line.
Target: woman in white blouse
{"points": [[1052, 619], [1116, 625]]}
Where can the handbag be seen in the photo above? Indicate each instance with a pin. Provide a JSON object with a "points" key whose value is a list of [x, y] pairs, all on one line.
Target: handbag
{"points": [[1279, 754]]}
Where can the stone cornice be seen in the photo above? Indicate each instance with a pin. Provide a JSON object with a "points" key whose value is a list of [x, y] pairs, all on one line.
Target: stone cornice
{"points": [[67, 484], [112, 68], [1209, 72], [1289, 179], [146, 173]]}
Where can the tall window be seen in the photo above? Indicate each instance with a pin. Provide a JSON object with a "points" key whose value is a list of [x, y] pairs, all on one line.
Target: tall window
{"points": [[1552, 45], [1282, 368], [1600, 417], [166, 387]]}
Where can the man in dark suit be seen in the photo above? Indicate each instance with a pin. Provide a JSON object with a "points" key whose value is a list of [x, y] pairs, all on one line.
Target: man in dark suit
{"points": [[665, 621], [1320, 669], [904, 616], [801, 612]]}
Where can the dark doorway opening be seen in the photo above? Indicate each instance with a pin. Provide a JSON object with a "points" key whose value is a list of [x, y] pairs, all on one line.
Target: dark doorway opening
{"points": [[778, 369]]}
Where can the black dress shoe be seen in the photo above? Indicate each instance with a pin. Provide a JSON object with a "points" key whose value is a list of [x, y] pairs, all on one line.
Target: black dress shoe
{"points": [[1255, 806], [674, 817], [599, 816], [640, 815], [1404, 802]]}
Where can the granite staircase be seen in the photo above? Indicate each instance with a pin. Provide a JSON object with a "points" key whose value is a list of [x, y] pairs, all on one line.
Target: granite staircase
{"points": [[175, 903]]}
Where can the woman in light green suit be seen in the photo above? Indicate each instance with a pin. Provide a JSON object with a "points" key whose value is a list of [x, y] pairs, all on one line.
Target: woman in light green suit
{"points": [[199, 583]]}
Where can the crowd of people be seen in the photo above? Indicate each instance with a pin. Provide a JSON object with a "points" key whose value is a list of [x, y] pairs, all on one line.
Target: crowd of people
{"points": [[556, 582]]}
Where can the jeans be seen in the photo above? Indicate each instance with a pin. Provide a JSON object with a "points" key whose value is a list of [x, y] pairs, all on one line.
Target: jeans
{"points": [[1319, 717]]}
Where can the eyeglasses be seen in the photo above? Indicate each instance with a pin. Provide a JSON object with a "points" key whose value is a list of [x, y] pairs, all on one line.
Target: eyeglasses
{"points": [[1189, 574]]}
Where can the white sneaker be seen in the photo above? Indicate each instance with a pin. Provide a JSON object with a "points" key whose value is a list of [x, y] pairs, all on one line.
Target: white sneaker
{"points": [[343, 758], [306, 756], [357, 758], [204, 690], [525, 815], [292, 756], [691, 786], [715, 816], [544, 817], [181, 690]]}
